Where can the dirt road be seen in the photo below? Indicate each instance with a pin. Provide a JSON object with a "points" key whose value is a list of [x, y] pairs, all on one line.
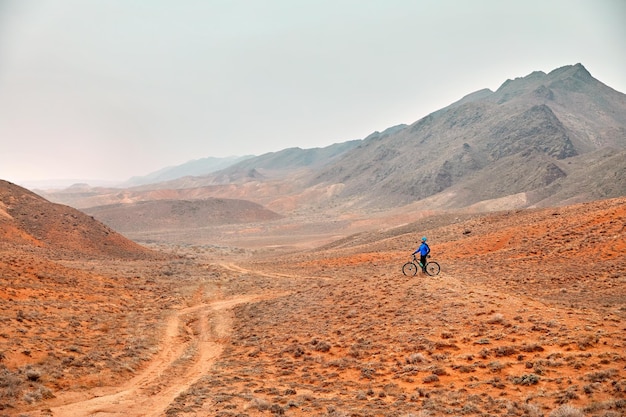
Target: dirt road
{"points": [[193, 339]]}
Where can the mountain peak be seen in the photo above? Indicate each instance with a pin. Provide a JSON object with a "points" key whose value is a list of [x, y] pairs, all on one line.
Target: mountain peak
{"points": [[571, 78], [577, 70], [567, 78]]}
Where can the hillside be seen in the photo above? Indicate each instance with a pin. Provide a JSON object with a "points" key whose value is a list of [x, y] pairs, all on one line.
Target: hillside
{"points": [[68, 288], [29, 220], [180, 215], [198, 167], [519, 139]]}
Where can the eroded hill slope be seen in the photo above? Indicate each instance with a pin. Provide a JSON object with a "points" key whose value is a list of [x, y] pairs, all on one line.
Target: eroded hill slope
{"points": [[29, 219]]}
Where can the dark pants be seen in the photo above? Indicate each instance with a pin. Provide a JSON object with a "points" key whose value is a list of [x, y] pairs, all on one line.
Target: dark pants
{"points": [[423, 262]]}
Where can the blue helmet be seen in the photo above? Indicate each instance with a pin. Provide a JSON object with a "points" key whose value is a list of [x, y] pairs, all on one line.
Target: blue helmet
{"points": [[424, 239]]}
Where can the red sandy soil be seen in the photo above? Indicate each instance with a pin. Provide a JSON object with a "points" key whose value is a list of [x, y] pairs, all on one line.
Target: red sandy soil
{"points": [[526, 318]]}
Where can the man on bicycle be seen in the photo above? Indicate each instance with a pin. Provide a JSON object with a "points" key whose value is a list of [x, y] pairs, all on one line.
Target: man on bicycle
{"points": [[423, 250]]}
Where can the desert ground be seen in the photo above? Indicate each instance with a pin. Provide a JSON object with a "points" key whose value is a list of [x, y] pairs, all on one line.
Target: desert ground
{"points": [[526, 318]]}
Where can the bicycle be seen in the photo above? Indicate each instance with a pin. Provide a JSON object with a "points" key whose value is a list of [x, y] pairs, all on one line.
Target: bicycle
{"points": [[410, 268]]}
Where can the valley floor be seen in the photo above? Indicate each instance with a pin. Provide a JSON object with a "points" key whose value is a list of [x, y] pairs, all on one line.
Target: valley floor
{"points": [[514, 325]]}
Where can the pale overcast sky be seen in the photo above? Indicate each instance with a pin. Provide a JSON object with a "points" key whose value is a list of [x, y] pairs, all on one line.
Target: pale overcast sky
{"points": [[109, 89]]}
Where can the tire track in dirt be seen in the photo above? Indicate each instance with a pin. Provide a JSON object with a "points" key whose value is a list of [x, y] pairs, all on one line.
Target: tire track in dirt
{"points": [[241, 270], [194, 338]]}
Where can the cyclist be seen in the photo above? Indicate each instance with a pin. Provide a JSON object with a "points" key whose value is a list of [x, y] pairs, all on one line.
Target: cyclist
{"points": [[423, 250]]}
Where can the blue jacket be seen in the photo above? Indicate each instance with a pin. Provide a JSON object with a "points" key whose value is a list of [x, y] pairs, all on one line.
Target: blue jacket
{"points": [[423, 249]]}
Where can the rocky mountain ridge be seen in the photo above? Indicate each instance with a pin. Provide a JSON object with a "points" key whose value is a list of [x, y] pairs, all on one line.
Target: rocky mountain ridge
{"points": [[543, 139], [511, 141]]}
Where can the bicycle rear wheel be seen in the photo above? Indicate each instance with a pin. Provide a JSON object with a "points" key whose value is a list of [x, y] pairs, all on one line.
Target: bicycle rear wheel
{"points": [[409, 269], [432, 268]]}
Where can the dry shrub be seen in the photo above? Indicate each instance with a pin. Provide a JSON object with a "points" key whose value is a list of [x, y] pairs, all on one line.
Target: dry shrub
{"points": [[567, 410], [484, 353], [495, 366], [505, 351], [601, 376], [38, 394], [532, 348], [296, 350], [437, 370], [10, 384], [355, 352], [420, 413], [596, 407], [439, 356], [587, 342], [620, 386], [334, 412], [496, 319], [320, 346], [430, 378], [416, 358], [464, 369], [368, 371], [33, 374], [443, 345], [497, 383], [532, 410], [258, 404], [530, 379]]}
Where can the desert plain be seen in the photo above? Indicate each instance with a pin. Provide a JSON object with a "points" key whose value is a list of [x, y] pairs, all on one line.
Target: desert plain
{"points": [[314, 317]]}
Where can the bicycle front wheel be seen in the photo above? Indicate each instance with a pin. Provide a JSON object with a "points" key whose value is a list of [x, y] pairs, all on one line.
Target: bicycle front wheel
{"points": [[432, 268], [409, 269]]}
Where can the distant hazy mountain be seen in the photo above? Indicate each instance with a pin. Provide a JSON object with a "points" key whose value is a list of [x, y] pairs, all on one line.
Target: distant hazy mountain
{"points": [[542, 139], [183, 185], [288, 160], [197, 168]]}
